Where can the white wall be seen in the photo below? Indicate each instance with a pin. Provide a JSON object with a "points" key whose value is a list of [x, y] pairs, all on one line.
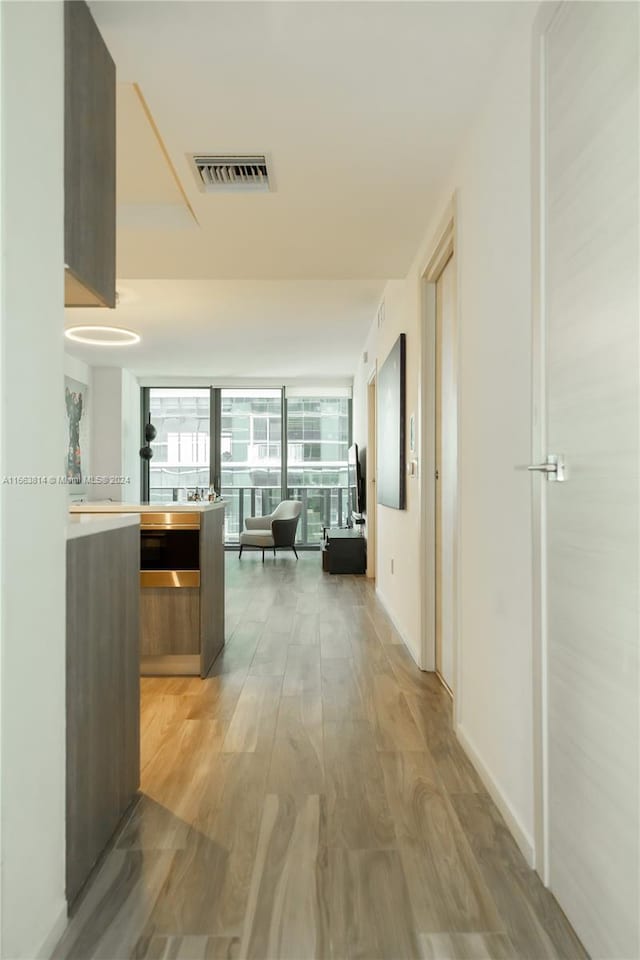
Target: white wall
{"points": [[398, 532], [115, 433], [494, 696], [131, 441], [78, 370], [32, 516]]}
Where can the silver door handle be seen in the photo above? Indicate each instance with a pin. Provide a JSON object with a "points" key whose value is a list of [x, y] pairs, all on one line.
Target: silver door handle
{"points": [[553, 467]]}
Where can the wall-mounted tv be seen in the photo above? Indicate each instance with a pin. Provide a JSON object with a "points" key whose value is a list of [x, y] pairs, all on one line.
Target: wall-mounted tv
{"points": [[390, 459], [356, 491]]}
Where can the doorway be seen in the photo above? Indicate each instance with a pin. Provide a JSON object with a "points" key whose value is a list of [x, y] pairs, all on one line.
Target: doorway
{"points": [[439, 442], [371, 499], [446, 444]]}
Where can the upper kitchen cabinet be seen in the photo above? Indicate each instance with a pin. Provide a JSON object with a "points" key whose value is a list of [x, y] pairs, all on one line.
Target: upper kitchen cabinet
{"points": [[89, 162]]}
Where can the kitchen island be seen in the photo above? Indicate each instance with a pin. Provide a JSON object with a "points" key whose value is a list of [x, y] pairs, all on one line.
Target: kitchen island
{"points": [[182, 618], [102, 686]]}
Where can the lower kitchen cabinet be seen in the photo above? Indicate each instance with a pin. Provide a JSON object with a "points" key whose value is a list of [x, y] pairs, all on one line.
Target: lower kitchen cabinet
{"points": [[102, 693]]}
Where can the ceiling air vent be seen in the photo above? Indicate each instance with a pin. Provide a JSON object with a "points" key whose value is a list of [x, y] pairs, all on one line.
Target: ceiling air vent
{"points": [[231, 173]]}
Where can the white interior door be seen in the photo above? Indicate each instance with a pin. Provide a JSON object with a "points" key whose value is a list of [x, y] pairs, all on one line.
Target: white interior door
{"points": [[589, 295], [371, 499], [446, 443]]}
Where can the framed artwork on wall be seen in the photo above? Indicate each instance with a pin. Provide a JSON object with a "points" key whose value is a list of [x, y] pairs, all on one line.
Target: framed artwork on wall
{"points": [[77, 439], [391, 427]]}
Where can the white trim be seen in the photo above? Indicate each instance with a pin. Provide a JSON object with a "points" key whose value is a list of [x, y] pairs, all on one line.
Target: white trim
{"points": [[52, 939], [541, 25], [517, 830], [443, 246], [396, 626], [426, 448], [371, 479]]}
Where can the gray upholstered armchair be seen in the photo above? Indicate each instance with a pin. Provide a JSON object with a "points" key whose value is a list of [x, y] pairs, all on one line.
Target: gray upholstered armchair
{"points": [[274, 531]]}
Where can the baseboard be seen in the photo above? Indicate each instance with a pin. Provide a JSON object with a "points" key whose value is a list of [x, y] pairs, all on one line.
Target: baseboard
{"points": [[520, 835], [387, 609], [52, 939]]}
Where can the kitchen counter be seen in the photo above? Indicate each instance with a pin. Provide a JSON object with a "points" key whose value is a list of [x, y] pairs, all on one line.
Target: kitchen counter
{"points": [[85, 524], [181, 579], [109, 506]]}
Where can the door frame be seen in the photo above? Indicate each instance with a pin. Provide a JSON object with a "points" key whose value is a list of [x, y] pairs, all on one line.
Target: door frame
{"points": [[371, 498], [443, 247], [539, 637]]}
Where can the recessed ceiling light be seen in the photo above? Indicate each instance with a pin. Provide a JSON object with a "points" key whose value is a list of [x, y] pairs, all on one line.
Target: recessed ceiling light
{"points": [[101, 336]]}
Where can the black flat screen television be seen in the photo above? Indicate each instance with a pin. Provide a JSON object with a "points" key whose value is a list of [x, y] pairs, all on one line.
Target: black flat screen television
{"points": [[356, 499]]}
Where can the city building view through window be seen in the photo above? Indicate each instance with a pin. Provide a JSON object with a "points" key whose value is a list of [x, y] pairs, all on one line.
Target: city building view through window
{"points": [[257, 458], [318, 436], [181, 449]]}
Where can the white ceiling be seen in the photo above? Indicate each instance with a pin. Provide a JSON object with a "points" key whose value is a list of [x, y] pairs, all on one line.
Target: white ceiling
{"points": [[360, 107], [221, 329]]}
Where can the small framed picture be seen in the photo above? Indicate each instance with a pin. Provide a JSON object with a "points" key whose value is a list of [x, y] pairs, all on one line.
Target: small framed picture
{"points": [[412, 433]]}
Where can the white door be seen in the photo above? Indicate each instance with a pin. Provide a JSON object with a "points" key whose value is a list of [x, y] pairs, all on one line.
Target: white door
{"points": [[446, 443], [589, 320], [371, 498]]}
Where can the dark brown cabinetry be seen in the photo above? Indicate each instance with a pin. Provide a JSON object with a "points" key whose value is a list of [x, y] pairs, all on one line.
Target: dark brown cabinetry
{"points": [[89, 162]]}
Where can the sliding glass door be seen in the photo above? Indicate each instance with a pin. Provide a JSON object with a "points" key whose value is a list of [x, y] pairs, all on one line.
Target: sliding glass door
{"points": [[318, 437], [250, 455], [257, 447]]}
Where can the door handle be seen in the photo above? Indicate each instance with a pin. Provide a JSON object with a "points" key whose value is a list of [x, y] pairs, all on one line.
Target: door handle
{"points": [[553, 467]]}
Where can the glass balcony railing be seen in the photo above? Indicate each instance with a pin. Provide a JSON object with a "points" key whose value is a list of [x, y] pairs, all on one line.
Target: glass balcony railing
{"points": [[321, 507]]}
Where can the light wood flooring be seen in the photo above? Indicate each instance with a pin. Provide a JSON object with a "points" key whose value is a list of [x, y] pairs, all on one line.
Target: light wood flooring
{"points": [[309, 800]]}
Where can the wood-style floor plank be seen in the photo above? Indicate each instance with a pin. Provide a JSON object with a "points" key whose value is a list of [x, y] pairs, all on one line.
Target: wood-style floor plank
{"points": [[446, 886], [297, 757], [341, 698], [357, 810], [466, 946], [334, 641], [432, 715], [270, 658], [379, 920], [114, 910], [254, 719], [302, 673], [207, 889], [394, 725], [535, 924], [285, 916], [188, 948], [310, 799]]}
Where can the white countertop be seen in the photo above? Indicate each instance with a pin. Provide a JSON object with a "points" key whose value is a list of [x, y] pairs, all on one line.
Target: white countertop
{"points": [[85, 524], [110, 506]]}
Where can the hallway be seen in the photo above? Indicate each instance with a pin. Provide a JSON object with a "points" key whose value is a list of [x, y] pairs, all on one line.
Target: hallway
{"points": [[309, 800]]}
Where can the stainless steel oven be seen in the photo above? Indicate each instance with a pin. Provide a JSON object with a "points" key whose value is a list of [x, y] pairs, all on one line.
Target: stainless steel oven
{"points": [[170, 550]]}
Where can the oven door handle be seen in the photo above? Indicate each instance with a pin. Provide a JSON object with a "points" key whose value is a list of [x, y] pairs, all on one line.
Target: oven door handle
{"points": [[169, 579]]}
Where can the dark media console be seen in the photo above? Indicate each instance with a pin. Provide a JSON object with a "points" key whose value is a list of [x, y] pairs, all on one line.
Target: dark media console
{"points": [[344, 551]]}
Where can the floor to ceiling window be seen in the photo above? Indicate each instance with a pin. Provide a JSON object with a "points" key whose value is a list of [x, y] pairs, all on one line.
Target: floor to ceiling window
{"points": [[258, 447], [250, 455], [318, 437], [181, 448]]}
